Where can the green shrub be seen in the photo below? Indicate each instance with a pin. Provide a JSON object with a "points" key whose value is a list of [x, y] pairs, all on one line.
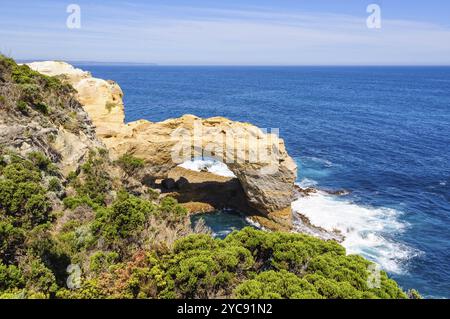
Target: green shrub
{"points": [[171, 211], [21, 195], [73, 202], [21, 173], [276, 285], [89, 290], [95, 181], [22, 107], [11, 239], [42, 107], [294, 253], [203, 267], [322, 263], [124, 219], [75, 238], [22, 74], [130, 164], [72, 176], [207, 273], [39, 160], [352, 269], [332, 289], [100, 261], [39, 278], [10, 277], [102, 152], [31, 93], [41, 244], [14, 197], [54, 185], [54, 83], [37, 209], [195, 242], [152, 194]]}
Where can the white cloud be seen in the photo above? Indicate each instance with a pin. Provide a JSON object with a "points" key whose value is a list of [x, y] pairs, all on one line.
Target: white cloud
{"points": [[211, 36]]}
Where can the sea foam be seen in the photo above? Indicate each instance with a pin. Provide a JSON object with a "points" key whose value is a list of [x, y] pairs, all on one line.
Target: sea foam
{"points": [[368, 231], [209, 165]]}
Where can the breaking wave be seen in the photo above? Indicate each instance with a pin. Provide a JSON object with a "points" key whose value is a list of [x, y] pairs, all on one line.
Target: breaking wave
{"points": [[368, 231]]}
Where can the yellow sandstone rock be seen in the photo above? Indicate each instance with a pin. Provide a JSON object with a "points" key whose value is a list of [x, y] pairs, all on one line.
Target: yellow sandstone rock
{"points": [[258, 159]]}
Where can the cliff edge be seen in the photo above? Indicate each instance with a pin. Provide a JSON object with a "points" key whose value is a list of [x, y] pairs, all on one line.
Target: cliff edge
{"points": [[259, 160]]}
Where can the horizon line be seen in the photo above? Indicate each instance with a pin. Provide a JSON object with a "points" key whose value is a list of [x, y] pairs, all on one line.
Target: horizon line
{"points": [[123, 63]]}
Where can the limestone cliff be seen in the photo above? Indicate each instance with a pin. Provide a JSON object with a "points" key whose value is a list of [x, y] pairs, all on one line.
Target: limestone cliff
{"points": [[41, 114], [259, 160]]}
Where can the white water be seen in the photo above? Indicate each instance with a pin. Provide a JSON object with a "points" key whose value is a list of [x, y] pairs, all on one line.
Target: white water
{"points": [[368, 231], [306, 182], [210, 165]]}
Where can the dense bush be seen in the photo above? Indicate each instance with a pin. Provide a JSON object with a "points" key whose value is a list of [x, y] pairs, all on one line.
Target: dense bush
{"points": [[101, 261], [170, 211], [202, 267], [41, 162], [54, 185], [29, 257], [130, 164], [199, 266], [323, 264], [22, 106], [10, 277], [11, 238], [277, 285], [94, 182], [122, 256], [42, 107], [125, 219], [21, 194], [24, 75]]}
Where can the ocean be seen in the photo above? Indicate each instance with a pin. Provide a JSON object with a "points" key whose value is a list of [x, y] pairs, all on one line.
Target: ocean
{"points": [[381, 133]]}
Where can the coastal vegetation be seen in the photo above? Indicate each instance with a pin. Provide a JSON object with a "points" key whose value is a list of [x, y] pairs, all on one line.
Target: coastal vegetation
{"points": [[88, 234], [132, 247]]}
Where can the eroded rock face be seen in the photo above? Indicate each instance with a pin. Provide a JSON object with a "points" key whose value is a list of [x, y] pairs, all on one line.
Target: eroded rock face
{"points": [[65, 134], [259, 160], [101, 99]]}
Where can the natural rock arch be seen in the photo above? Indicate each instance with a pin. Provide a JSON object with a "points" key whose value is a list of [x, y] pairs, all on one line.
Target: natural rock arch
{"points": [[259, 160]]}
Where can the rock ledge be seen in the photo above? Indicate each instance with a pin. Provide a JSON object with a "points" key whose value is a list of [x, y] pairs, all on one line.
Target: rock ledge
{"points": [[259, 160]]}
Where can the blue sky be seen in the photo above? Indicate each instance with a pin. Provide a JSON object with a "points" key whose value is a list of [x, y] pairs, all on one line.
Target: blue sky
{"points": [[229, 32]]}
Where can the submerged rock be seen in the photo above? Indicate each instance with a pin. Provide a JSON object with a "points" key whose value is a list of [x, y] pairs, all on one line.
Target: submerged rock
{"points": [[302, 224], [304, 191]]}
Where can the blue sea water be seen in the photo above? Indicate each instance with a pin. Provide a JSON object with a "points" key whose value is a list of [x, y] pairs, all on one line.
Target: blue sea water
{"points": [[383, 133]]}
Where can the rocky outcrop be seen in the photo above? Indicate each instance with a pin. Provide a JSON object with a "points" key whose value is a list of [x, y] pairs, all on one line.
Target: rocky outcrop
{"points": [[267, 184], [66, 148], [259, 160], [101, 99], [34, 118]]}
